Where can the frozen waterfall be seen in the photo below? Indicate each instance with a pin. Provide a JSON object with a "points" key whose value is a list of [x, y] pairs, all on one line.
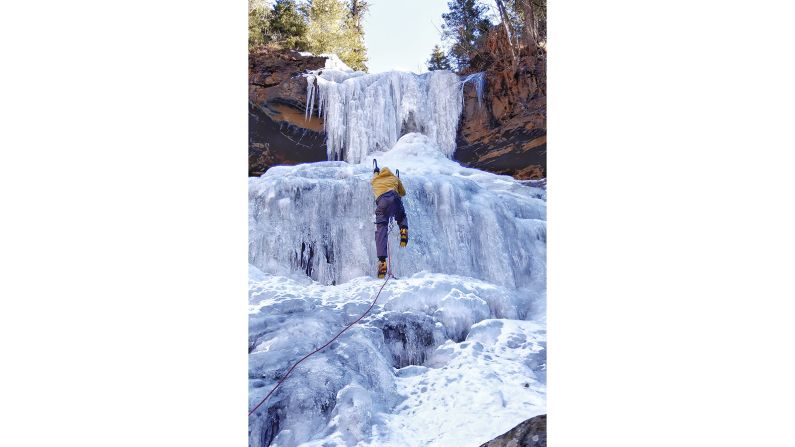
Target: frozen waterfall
{"points": [[366, 113], [460, 334], [318, 219], [454, 350]]}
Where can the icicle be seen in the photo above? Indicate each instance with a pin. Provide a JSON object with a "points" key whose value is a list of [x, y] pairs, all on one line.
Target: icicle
{"points": [[447, 205], [310, 96], [479, 80], [365, 113]]}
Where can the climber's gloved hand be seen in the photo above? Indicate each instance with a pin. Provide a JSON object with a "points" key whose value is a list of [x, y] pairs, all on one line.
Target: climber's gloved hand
{"points": [[376, 170]]}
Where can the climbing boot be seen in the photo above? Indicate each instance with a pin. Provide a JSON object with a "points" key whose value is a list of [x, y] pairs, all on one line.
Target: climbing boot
{"points": [[381, 269], [404, 237]]}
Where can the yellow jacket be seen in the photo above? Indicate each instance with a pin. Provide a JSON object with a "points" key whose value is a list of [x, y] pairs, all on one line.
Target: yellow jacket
{"points": [[385, 181]]}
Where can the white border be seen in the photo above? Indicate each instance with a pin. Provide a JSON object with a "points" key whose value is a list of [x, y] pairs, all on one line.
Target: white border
{"points": [[124, 213]]}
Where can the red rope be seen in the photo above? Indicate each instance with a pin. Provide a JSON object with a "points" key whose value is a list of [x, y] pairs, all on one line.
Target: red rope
{"points": [[389, 275]]}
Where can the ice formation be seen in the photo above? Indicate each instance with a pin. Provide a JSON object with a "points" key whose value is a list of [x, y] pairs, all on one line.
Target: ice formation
{"points": [[317, 218], [413, 373], [454, 351], [333, 62], [365, 113], [460, 334]]}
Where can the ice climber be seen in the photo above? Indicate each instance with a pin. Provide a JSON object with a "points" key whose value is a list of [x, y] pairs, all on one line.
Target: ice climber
{"points": [[388, 190]]}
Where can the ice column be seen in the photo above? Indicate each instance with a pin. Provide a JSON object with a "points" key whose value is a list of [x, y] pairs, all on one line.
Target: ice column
{"points": [[365, 113]]}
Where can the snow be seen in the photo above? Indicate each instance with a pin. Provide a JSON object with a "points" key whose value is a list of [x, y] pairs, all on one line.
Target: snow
{"points": [[317, 218], [365, 113], [333, 62], [499, 370], [360, 391], [454, 350]]}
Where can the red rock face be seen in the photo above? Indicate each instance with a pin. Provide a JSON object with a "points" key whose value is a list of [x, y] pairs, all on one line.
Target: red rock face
{"points": [[278, 132], [505, 134]]}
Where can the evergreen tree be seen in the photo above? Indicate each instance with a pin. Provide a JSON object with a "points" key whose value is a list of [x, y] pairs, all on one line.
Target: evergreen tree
{"points": [[335, 27], [438, 60], [356, 55], [463, 26], [258, 23], [528, 18], [326, 26], [287, 26]]}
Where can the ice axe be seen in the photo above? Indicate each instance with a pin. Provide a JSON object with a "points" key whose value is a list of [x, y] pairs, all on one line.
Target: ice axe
{"points": [[375, 166]]}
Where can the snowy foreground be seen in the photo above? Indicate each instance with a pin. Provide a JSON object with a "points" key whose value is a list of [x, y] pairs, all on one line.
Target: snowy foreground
{"points": [[453, 353]]}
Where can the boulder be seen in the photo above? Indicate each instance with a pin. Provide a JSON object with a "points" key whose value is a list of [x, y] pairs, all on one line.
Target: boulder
{"points": [[530, 433]]}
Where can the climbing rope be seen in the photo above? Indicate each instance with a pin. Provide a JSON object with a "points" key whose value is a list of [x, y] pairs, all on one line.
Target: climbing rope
{"points": [[388, 255], [388, 275]]}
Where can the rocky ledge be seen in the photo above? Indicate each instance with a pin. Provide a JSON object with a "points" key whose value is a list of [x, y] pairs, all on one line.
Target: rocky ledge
{"points": [[530, 433], [505, 133], [278, 132]]}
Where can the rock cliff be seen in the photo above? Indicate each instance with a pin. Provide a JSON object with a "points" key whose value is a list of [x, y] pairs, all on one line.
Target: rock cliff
{"points": [[505, 133], [530, 433], [278, 133]]}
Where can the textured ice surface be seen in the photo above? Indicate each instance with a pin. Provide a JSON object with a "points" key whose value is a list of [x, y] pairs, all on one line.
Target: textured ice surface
{"points": [[365, 113], [454, 352], [318, 219], [361, 391], [475, 390]]}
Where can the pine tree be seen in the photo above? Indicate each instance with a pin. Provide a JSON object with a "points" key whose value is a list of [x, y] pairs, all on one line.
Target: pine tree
{"points": [[287, 26], [335, 27], [258, 23], [463, 26], [326, 26], [438, 60], [356, 55]]}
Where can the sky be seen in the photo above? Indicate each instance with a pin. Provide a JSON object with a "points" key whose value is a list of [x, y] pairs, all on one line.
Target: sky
{"points": [[400, 34]]}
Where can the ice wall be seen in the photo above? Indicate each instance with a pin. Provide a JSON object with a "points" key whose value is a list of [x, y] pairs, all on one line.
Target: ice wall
{"points": [[365, 113], [436, 354], [318, 219], [459, 334]]}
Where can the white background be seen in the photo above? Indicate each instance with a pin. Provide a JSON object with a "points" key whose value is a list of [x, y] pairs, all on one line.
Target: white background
{"points": [[123, 236]]}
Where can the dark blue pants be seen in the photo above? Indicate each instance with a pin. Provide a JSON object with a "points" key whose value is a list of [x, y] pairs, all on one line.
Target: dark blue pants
{"points": [[388, 205]]}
